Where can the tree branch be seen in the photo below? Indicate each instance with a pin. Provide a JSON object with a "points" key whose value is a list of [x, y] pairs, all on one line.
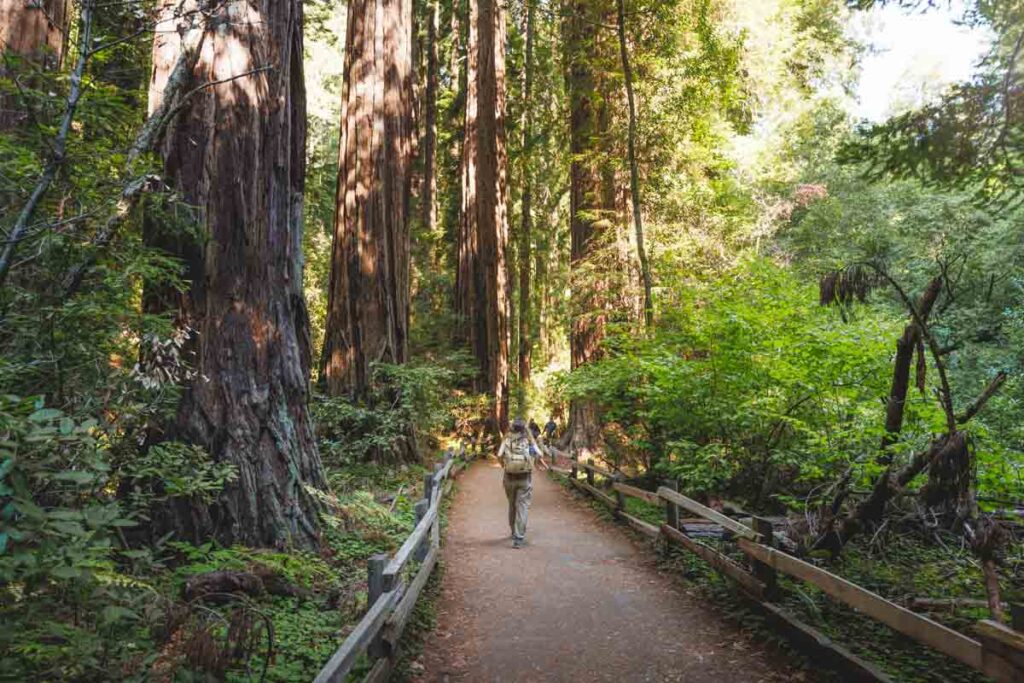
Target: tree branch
{"points": [[59, 146], [980, 402]]}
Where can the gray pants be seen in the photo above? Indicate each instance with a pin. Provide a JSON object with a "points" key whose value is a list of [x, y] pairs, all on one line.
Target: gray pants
{"points": [[518, 490]]}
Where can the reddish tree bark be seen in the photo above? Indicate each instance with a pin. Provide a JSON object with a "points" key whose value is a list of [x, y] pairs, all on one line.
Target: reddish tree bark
{"points": [[236, 153], [592, 202], [368, 307], [428, 198], [525, 338], [36, 32], [482, 289]]}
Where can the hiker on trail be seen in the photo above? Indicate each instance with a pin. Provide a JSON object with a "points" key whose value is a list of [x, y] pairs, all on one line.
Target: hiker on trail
{"points": [[517, 454], [534, 429], [549, 430]]}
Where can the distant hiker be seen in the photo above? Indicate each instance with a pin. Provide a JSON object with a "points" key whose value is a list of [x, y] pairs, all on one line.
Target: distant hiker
{"points": [[534, 429], [517, 454], [549, 429]]}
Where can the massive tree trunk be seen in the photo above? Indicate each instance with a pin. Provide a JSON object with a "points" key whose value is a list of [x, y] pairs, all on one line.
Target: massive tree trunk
{"points": [[525, 309], [483, 286], [428, 197], [368, 307], [236, 153], [591, 205], [36, 32]]}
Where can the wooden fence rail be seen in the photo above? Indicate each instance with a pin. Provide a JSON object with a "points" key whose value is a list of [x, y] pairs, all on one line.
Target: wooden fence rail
{"points": [[998, 651], [391, 601]]}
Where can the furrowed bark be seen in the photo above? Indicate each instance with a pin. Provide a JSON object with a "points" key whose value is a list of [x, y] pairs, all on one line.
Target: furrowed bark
{"points": [[429, 195], [591, 202], [368, 307], [525, 309], [236, 153], [483, 294], [36, 32]]}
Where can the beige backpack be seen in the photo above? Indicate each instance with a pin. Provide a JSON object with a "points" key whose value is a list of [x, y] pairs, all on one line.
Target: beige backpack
{"points": [[517, 455]]}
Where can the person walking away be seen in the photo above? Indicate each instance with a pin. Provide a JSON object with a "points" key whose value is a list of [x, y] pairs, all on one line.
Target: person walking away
{"points": [[534, 429], [517, 454], [549, 430]]}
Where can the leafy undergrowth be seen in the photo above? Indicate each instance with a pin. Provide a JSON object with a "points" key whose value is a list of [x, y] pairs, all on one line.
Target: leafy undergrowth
{"points": [[134, 618]]}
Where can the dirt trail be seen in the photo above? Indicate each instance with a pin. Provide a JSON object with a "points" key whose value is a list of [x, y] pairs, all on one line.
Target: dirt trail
{"points": [[581, 602]]}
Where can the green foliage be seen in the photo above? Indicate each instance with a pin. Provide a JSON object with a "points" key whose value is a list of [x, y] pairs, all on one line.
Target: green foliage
{"points": [[410, 399], [749, 387]]}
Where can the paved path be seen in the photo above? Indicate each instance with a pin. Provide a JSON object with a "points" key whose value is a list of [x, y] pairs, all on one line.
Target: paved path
{"points": [[582, 601]]}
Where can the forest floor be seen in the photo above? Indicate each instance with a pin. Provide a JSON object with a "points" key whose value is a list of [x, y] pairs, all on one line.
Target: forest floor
{"points": [[582, 600]]}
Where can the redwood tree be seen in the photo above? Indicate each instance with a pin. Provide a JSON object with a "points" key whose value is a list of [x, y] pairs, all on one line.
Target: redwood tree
{"points": [[368, 306], [482, 286], [236, 153], [592, 199], [36, 32], [525, 309]]}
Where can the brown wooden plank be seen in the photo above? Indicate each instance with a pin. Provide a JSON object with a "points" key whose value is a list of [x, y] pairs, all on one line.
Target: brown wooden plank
{"points": [[649, 496], [717, 560], [600, 495], [921, 629], [640, 525], [381, 671], [707, 513], [1003, 650], [400, 617], [597, 469], [819, 647], [344, 658], [412, 541]]}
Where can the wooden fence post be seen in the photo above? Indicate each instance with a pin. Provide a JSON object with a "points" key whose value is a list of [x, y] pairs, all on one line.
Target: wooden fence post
{"points": [[590, 472], [1017, 616], [671, 509], [762, 571], [428, 486], [620, 502], [575, 471], [421, 508], [375, 588]]}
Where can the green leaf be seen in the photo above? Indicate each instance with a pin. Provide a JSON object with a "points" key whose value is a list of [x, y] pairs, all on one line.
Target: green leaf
{"points": [[65, 572], [75, 477], [67, 426], [69, 528], [112, 613], [45, 415]]}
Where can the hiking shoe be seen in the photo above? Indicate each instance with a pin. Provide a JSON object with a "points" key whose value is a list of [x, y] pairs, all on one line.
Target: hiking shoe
{"points": [[517, 543]]}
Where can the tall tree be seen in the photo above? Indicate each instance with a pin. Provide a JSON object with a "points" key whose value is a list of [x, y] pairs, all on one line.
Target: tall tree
{"points": [[634, 171], [236, 153], [368, 306], [482, 281], [525, 309], [591, 199], [428, 197]]}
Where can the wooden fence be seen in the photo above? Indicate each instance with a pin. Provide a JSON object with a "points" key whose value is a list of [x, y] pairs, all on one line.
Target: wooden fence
{"points": [[995, 650], [391, 600]]}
